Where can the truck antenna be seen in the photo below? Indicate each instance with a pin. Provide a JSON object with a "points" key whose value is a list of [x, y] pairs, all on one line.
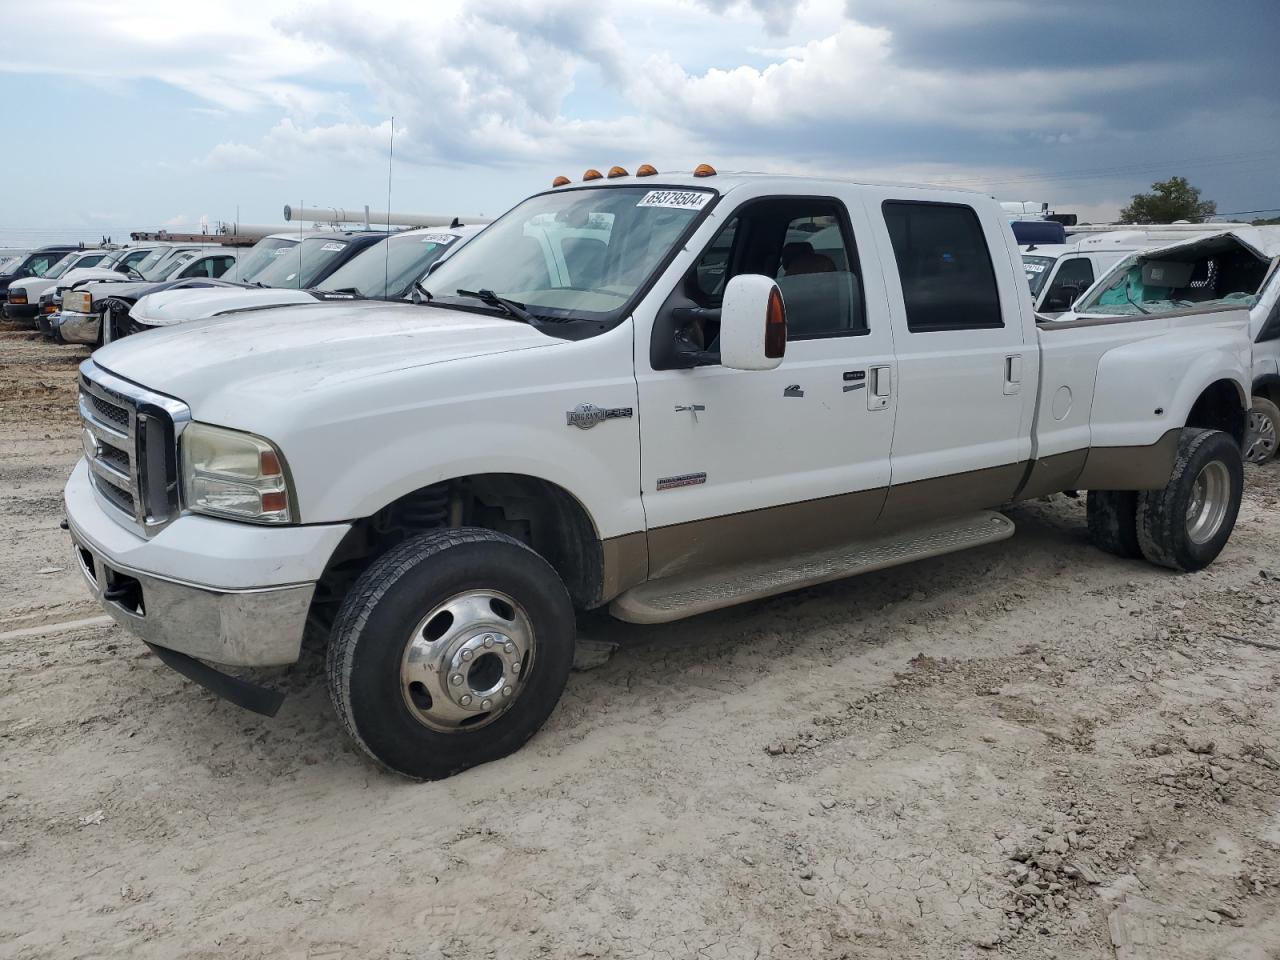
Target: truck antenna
{"points": [[386, 263]]}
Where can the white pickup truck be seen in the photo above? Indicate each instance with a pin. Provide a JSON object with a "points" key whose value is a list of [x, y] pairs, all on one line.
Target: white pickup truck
{"points": [[664, 394]]}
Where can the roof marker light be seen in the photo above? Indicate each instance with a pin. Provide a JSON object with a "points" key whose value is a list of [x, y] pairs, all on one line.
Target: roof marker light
{"points": [[560, 181], [704, 170], [593, 174], [616, 171], [646, 170]]}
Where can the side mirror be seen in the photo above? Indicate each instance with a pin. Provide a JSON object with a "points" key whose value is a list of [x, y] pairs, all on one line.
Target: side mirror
{"points": [[753, 324]]}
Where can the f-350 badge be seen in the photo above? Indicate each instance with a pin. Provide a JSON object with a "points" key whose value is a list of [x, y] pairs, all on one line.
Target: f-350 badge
{"points": [[586, 415]]}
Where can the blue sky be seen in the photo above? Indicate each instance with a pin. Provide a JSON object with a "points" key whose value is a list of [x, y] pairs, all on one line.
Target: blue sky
{"points": [[125, 117]]}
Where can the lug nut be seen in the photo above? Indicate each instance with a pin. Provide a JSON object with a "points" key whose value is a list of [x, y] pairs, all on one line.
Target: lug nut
{"points": [[466, 700], [467, 654], [515, 667], [506, 691], [456, 679], [486, 704], [488, 641], [509, 648]]}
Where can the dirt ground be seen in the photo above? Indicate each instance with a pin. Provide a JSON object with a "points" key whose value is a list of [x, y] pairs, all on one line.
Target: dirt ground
{"points": [[1028, 750]]}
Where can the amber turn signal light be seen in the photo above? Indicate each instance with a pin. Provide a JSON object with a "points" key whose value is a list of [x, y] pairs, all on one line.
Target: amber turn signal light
{"points": [[775, 326]]}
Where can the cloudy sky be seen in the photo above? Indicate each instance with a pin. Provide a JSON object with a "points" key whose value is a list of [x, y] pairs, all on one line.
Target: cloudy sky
{"points": [[128, 116]]}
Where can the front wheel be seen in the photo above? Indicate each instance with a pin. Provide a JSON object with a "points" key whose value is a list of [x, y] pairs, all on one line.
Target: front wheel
{"points": [[1186, 525], [1263, 430], [451, 650]]}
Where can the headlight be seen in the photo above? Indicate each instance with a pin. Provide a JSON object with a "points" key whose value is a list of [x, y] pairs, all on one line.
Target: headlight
{"points": [[17, 296], [78, 301], [227, 473]]}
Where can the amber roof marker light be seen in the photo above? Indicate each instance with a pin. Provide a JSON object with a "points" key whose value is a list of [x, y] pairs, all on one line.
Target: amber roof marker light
{"points": [[616, 171], [560, 181], [646, 170], [593, 174], [704, 170]]}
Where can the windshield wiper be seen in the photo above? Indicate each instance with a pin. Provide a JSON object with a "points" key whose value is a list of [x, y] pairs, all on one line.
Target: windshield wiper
{"points": [[422, 291], [514, 310], [1133, 302], [349, 290]]}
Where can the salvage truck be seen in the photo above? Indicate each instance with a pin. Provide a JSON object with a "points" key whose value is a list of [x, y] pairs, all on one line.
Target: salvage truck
{"points": [[658, 394]]}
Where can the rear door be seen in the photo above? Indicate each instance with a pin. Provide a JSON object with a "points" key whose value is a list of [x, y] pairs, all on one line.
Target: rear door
{"points": [[738, 465], [966, 384]]}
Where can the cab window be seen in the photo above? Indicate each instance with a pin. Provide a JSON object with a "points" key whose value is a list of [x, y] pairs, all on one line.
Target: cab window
{"points": [[803, 243], [948, 282], [1073, 278]]}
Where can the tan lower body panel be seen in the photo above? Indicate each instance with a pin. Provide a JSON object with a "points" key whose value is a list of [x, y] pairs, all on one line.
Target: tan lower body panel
{"points": [[626, 563], [773, 531], [957, 493], [1130, 468], [1053, 474]]}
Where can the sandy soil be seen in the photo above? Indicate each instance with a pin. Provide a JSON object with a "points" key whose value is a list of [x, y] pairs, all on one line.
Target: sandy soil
{"points": [[1029, 750]]}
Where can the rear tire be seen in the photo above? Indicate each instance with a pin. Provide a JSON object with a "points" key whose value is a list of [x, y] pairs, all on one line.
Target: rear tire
{"points": [[1113, 522], [1185, 525], [451, 650], [1263, 432]]}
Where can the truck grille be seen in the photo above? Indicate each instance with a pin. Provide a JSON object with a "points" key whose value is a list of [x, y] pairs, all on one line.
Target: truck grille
{"points": [[130, 442]]}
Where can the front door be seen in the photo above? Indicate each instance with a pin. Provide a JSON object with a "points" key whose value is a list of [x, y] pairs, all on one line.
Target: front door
{"points": [[966, 379], [740, 465]]}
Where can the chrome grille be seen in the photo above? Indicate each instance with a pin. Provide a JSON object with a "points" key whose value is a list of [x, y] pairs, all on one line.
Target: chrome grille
{"points": [[131, 447]]}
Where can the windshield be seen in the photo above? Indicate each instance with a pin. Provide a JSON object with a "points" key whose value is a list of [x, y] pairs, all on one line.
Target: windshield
{"points": [[391, 265], [1038, 270], [148, 263], [1216, 272], [262, 255], [167, 270], [59, 268], [299, 266], [578, 254]]}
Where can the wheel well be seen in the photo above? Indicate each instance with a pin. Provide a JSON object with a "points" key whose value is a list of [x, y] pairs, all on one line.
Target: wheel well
{"points": [[537, 512], [1219, 408]]}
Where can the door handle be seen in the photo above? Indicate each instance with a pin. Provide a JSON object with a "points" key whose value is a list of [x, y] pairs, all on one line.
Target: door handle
{"points": [[881, 388], [1012, 374]]}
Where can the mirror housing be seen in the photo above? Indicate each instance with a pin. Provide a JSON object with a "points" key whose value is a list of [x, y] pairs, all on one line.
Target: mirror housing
{"points": [[753, 324]]}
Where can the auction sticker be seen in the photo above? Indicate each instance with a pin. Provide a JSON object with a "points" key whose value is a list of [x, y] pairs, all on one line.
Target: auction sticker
{"points": [[1033, 267], [441, 238], [332, 247], [676, 199]]}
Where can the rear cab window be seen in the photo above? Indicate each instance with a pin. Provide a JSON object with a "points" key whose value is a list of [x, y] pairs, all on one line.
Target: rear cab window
{"points": [[944, 264]]}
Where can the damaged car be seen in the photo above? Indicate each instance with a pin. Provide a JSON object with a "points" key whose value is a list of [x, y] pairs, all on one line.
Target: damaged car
{"points": [[1224, 271]]}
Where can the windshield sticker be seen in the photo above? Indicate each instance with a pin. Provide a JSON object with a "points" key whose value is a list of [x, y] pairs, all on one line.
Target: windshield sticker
{"points": [[440, 238], [1033, 267], [276, 253], [332, 247], [678, 199]]}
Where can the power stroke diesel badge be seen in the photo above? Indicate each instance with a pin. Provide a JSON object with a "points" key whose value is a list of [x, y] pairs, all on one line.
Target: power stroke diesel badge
{"points": [[586, 415]]}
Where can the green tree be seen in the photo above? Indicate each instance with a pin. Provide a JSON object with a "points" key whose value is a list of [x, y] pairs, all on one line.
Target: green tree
{"points": [[1169, 201]]}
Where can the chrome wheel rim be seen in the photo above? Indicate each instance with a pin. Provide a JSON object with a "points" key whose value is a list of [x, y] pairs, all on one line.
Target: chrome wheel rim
{"points": [[465, 662], [1210, 495], [1262, 438]]}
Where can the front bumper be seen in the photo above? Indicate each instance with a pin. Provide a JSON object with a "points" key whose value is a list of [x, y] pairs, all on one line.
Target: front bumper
{"points": [[202, 587], [79, 327], [20, 311]]}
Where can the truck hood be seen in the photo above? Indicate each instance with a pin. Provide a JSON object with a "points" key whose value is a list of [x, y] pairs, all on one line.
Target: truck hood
{"points": [[267, 357], [165, 308], [32, 286], [88, 273]]}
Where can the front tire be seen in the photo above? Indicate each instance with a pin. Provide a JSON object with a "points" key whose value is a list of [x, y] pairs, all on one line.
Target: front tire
{"points": [[1263, 431], [451, 650], [1186, 525]]}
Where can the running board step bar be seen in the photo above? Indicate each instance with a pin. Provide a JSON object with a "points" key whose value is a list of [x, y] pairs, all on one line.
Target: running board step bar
{"points": [[677, 597]]}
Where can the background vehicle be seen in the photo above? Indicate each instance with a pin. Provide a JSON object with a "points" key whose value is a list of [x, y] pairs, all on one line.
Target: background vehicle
{"points": [[24, 294], [312, 259], [84, 306], [34, 264], [385, 271], [438, 485], [1223, 270]]}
